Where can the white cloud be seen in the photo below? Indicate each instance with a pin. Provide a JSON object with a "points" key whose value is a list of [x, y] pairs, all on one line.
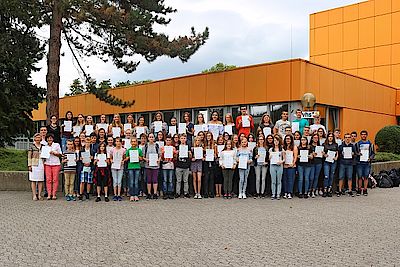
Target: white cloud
{"points": [[241, 33]]}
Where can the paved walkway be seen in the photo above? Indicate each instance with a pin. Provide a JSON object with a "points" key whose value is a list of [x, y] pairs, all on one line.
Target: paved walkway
{"points": [[360, 231]]}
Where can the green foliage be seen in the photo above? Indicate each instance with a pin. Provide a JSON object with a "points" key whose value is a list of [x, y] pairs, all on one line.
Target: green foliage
{"points": [[13, 160], [384, 156], [128, 82], [388, 139], [20, 50], [76, 88], [219, 67]]}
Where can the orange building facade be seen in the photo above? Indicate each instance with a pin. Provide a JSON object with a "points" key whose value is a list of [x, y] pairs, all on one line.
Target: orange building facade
{"points": [[344, 100]]}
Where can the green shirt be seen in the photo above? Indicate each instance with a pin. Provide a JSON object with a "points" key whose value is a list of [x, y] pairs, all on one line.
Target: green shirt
{"points": [[302, 123], [134, 165]]}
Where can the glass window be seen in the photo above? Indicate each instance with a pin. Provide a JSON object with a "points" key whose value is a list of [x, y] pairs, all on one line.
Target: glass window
{"points": [[276, 111], [333, 119], [235, 111], [168, 115], [257, 112]]}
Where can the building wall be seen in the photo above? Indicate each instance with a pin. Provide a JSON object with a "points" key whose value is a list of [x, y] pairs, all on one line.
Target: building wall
{"points": [[361, 39]]}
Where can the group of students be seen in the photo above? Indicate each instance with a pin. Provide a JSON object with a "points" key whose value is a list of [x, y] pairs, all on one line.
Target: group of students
{"points": [[225, 159]]}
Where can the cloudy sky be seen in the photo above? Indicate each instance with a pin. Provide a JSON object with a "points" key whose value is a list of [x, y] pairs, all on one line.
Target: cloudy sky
{"points": [[242, 32]]}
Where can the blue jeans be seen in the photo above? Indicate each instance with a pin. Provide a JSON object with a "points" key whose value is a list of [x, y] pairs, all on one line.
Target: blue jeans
{"points": [[345, 171], [243, 174], [315, 172], [329, 173], [363, 170], [168, 181], [133, 181], [304, 174], [276, 172], [288, 179]]}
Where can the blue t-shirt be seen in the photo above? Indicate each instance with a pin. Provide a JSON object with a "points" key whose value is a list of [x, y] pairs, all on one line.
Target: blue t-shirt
{"points": [[302, 123]]}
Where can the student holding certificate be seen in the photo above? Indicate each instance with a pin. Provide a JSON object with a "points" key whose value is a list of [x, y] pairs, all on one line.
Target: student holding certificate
{"points": [[244, 122], [367, 154], [117, 156], [168, 153], [89, 126], [52, 166], [189, 128], [182, 171], [130, 124], [215, 126], [300, 121], [318, 154], [173, 128], [281, 124], [116, 123], [151, 155], [102, 172], [266, 126], [54, 129], [331, 156], [228, 162], [141, 128], [197, 166], [229, 125], [133, 156], [70, 159], [66, 130], [201, 125], [219, 179], [277, 158], [209, 166], [260, 159], [347, 151], [289, 168], [102, 124], [158, 124], [86, 175], [36, 167], [304, 167], [244, 159]]}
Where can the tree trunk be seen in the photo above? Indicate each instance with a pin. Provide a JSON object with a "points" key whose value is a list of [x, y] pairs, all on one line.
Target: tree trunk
{"points": [[53, 61]]}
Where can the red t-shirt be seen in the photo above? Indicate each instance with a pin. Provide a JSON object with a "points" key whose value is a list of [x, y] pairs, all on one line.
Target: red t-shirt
{"points": [[241, 129]]}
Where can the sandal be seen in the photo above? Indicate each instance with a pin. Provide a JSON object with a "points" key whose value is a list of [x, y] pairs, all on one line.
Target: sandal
{"points": [[54, 198], [34, 198], [49, 198]]}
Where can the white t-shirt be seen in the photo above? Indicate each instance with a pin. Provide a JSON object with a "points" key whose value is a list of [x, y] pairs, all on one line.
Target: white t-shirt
{"points": [[315, 127], [281, 126]]}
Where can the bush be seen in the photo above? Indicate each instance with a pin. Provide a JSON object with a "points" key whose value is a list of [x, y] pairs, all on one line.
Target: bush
{"points": [[388, 139], [13, 160], [384, 156]]}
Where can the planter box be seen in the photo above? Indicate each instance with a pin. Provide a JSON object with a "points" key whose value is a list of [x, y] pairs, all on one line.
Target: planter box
{"points": [[19, 181], [384, 166]]}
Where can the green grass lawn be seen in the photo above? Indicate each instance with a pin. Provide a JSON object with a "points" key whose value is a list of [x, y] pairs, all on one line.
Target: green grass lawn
{"points": [[13, 160]]}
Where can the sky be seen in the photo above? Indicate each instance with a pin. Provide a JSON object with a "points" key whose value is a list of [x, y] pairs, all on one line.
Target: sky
{"points": [[242, 32]]}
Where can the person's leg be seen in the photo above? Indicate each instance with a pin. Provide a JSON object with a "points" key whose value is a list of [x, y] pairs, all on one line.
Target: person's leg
{"points": [[241, 181], [285, 180], [194, 177], [290, 182], [327, 172], [264, 170], [33, 188], [367, 171], [349, 174], [136, 175], [317, 172], [257, 170], [186, 173], [165, 181], [155, 180], [47, 170], [230, 180], [300, 169], [273, 180], [199, 183], [207, 173], [331, 175], [308, 171], [40, 188], [279, 173], [179, 175], [225, 177], [66, 183], [211, 182], [342, 175], [131, 182]]}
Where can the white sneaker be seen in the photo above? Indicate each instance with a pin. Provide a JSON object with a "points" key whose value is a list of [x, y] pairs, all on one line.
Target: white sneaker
{"points": [[195, 196], [289, 196], [285, 195], [244, 196], [313, 194], [199, 196], [240, 196]]}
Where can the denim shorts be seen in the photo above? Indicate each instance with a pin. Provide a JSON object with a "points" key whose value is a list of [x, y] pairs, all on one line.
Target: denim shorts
{"points": [[363, 170], [87, 177], [345, 171]]}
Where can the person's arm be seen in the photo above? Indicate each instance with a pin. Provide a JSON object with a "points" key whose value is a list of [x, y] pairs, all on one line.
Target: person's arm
{"points": [[238, 123], [372, 152], [30, 154], [251, 122]]}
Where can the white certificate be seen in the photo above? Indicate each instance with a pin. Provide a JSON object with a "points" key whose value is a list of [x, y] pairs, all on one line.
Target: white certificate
{"points": [[127, 126], [127, 143], [172, 130], [198, 152], [160, 144], [153, 158], [168, 152], [215, 133], [182, 128], [85, 157], [295, 126], [243, 162], [219, 149], [331, 156], [116, 131], [139, 131], [274, 157], [133, 156], [228, 129], [252, 145], [116, 164], [289, 157], [183, 151], [101, 160], [347, 152], [108, 149], [88, 129], [261, 155], [45, 154], [71, 160], [67, 126], [296, 142], [102, 126], [245, 121], [364, 155], [228, 161], [338, 141], [77, 130], [267, 131], [197, 128], [157, 126], [319, 150], [205, 127], [209, 154], [303, 155]]}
